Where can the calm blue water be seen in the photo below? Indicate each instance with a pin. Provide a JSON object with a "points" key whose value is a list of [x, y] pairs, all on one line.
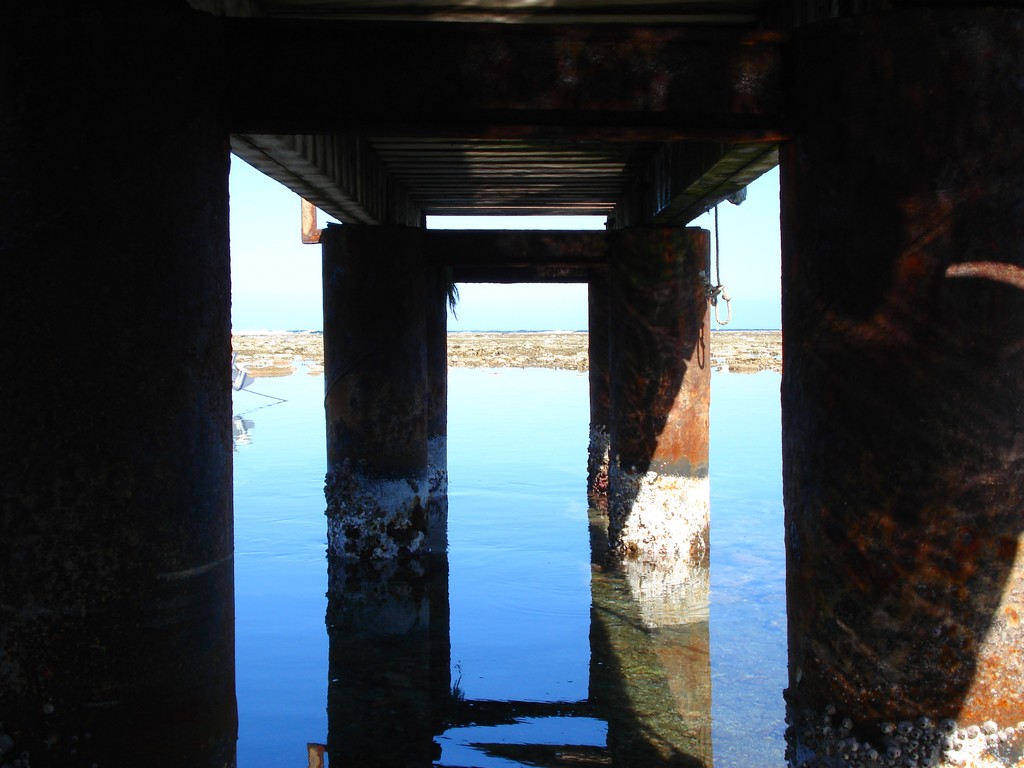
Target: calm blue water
{"points": [[519, 572]]}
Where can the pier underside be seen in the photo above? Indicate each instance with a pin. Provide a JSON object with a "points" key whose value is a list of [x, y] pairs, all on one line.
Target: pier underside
{"points": [[896, 127]]}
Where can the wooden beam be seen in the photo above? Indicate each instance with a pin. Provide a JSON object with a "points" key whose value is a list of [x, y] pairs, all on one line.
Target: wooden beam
{"points": [[341, 175], [518, 256], [514, 275], [679, 182], [618, 83], [516, 248]]}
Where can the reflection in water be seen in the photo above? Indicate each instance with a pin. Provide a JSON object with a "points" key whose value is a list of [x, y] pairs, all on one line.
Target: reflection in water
{"points": [[650, 657], [539, 636], [240, 429], [388, 690], [392, 700]]}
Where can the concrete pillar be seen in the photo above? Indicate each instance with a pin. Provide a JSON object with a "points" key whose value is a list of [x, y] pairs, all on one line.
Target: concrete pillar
{"points": [[438, 284], [660, 379], [375, 370], [903, 391], [600, 396], [116, 605]]}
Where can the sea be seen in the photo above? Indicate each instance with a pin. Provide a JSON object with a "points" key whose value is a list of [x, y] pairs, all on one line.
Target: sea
{"points": [[525, 648]]}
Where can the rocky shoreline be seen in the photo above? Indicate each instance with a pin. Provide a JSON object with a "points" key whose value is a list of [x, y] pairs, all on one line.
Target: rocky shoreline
{"points": [[279, 353]]}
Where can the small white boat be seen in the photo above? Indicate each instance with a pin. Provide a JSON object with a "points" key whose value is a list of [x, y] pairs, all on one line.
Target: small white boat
{"points": [[240, 378]]}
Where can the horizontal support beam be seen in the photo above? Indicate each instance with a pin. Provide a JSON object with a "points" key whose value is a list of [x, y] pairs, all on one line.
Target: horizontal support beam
{"points": [[518, 256], [621, 83], [341, 175], [519, 249], [513, 275]]}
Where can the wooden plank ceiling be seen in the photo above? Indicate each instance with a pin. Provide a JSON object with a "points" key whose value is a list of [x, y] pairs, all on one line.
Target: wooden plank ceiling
{"points": [[466, 176], [379, 176]]}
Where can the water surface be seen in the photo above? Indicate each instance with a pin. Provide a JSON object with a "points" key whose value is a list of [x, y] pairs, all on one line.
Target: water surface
{"points": [[547, 656]]}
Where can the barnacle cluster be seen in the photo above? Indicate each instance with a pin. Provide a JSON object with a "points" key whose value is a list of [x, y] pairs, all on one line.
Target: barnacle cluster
{"points": [[831, 739]]}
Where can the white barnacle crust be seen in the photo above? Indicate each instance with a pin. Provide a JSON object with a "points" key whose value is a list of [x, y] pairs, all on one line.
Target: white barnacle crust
{"points": [[816, 739], [658, 516], [372, 518]]}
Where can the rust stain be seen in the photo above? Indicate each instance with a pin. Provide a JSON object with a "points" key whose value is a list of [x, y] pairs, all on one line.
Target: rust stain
{"points": [[310, 232]]}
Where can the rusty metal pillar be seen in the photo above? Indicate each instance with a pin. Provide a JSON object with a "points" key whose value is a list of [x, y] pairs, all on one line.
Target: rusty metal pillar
{"points": [[376, 392], [903, 391], [438, 285], [660, 382], [600, 403], [116, 578]]}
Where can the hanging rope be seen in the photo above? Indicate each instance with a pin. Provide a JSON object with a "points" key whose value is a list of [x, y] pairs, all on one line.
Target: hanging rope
{"points": [[715, 290]]}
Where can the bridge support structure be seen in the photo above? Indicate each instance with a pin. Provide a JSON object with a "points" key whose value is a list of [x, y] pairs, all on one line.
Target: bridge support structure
{"points": [[660, 384], [600, 395], [903, 391], [116, 605], [438, 285], [375, 366]]}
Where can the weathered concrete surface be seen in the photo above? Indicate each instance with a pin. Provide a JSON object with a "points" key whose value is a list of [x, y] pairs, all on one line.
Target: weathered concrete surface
{"points": [[375, 370], [116, 613], [660, 383], [598, 357], [903, 391], [436, 332]]}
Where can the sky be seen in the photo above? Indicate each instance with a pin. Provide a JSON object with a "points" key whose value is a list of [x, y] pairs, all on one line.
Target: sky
{"points": [[276, 283]]}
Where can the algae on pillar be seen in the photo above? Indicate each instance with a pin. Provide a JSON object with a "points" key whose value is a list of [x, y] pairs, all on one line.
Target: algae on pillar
{"points": [[903, 391], [660, 380], [375, 371]]}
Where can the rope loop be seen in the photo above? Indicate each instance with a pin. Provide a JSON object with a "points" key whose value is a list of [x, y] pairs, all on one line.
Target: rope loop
{"points": [[720, 289], [712, 293]]}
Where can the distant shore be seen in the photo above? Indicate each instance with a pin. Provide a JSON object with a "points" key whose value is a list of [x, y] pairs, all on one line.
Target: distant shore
{"points": [[278, 353]]}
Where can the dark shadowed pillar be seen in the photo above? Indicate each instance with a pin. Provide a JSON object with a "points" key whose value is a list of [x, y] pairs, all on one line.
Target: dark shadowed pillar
{"points": [[375, 367], [438, 286], [658, 493], [600, 401], [903, 390], [389, 688], [116, 605]]}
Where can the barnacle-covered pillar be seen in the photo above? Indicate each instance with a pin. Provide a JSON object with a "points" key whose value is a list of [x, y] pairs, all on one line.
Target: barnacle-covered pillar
{"points": [[903, 391], [439, 288], [116, 573], [660, 382], [600, 404], [376, 392]]}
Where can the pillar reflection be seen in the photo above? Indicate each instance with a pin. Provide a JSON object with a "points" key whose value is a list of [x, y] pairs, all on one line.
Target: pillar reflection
{"points": [[392, 699], [389, 686], [650, 656]]}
